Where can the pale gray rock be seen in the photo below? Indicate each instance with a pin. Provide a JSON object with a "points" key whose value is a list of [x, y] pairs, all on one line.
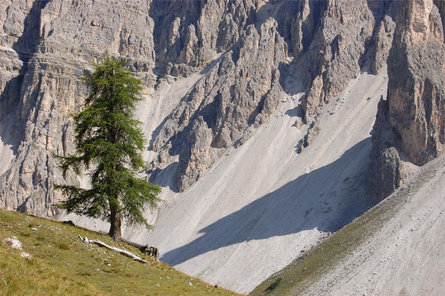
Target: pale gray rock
{"points": [[49, 58], [243, 86], [337, 52], [415, 109], [13, 242], [243, 49], [324, 37], [416, 72], [382, 42], [305, 25], [386, 169]]}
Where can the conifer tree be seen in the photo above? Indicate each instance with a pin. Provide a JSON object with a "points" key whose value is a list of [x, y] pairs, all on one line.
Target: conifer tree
{"points": [[108, 144]]}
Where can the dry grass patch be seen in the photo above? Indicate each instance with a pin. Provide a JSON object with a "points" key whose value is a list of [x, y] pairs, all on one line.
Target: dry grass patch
{"points": [[61, 264]]}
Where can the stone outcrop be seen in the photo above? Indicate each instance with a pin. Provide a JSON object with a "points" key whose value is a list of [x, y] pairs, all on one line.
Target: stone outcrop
{"points": [[382, 42], [188, 34], [414, 113], [386, 169]]}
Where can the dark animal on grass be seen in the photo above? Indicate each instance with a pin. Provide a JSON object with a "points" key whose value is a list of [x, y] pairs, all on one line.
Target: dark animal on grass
{"points": [[151, 251]]}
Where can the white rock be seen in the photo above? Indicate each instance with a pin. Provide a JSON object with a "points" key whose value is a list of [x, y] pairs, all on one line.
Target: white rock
{"points": [[25, 255], [13, 242]]}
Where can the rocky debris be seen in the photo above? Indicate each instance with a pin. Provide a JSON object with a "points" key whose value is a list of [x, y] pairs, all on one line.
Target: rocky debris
{"points": [[412, 121], [311, 135], [16, 244], [13, 242], [25, 255], [325, 38]]}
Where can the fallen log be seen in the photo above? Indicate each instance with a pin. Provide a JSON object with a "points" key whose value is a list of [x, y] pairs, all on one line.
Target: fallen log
{"points": [[146, 249], [121, 251]]}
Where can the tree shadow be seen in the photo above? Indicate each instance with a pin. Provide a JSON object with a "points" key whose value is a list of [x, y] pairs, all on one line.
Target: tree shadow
{"points": [[325, 199]]}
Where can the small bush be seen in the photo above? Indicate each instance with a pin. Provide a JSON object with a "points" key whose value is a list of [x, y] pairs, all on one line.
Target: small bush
{"points": [[25, 234], [63, 247], [273, 285]]}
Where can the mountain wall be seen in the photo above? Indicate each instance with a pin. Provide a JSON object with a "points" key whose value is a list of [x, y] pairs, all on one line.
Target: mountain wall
{"points": [[410, 125], [46, 47], [244, 50]]}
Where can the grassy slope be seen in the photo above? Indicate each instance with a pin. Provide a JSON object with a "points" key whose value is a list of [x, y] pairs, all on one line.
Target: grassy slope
{"points": [[305, 270], [63, 265]]}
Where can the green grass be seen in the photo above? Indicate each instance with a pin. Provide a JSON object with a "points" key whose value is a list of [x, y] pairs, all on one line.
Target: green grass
{"points": [[61, 264], [295, 278]]}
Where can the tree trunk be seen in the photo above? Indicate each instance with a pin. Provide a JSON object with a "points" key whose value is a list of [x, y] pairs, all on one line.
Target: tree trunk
{"points": [[115, 223]]}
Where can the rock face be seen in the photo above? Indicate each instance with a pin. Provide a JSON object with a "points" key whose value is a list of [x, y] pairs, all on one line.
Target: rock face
{"points": [[412, 121], [386, 169], [244, 51], [337, 52], [220, 110], [324, 38], [44, 58]]}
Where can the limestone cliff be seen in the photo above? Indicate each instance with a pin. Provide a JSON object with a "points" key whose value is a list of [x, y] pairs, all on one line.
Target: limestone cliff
{"points": [[412, 121], [235, 95], [243, 51], [44, 57], [324, 40]]}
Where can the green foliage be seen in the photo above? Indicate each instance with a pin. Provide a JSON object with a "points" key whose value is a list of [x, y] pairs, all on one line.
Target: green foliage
{"points": [[108, 143]]}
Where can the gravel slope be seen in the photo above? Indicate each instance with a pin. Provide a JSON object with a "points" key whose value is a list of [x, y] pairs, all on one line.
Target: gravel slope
{"points": [[407, 255], [263, 203]]}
